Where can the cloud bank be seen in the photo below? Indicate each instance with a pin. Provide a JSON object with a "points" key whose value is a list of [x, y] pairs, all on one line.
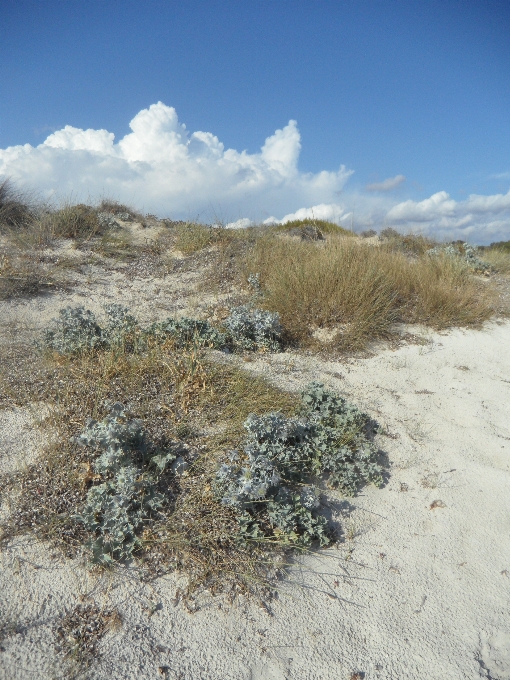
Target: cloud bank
{"points": [[162, 168]]}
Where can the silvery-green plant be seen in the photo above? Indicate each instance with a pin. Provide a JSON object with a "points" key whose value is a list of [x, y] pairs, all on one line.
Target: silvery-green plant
{"points": [[186, 331], [273, 479], [467, 253], [120, 323], [107, 220], [124, 216], [75, 330], [250, 328], [117, 508]]}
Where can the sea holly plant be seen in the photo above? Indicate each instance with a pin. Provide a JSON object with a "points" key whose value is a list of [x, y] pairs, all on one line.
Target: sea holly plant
{"points": [[76, 330], [126, 497], [249, 328], [463, 252], [186, 331], [273, 483]]}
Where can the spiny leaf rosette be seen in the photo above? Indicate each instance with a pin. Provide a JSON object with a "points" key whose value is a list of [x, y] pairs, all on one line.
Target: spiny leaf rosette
{"points": [[273, 483]]}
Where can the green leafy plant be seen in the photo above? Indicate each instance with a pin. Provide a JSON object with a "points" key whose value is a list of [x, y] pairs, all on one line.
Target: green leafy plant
{"points": [[117, 507], [76, 330], [272, 484]]}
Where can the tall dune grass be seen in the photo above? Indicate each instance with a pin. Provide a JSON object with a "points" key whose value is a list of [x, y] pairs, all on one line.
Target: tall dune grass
{"points": [[362, 290]]}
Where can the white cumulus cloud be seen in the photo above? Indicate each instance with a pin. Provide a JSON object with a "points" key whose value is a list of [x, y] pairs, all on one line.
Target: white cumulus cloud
{"points": [[331, 212], [161, 167], [478, 218], [387, 184]]}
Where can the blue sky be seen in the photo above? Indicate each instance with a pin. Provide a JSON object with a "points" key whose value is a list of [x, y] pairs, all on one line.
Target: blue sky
{"points": [[413, 98]]}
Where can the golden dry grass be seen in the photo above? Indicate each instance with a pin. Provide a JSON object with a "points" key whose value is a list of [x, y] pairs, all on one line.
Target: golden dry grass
{"points": [[498, 257], [363, 290]]}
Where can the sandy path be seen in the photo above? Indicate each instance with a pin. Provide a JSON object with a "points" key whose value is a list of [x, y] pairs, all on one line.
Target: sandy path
{"points": [[419, 590]]}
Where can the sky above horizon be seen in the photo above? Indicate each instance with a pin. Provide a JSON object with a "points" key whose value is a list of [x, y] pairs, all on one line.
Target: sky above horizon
{"points": [[371, 114]]}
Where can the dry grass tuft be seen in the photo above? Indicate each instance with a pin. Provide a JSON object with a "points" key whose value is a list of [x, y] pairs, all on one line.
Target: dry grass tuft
{"points": [[324, 226], [362, 291], [498, 256], [192, 237], [17, 207], [21, 275]]}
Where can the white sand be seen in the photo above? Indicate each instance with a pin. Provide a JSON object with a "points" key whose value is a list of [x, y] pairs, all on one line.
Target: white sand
{"points": [[416, 592]]}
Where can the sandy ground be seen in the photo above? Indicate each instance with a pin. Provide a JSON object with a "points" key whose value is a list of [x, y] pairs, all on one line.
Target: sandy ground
{"points": [[419, 589]]}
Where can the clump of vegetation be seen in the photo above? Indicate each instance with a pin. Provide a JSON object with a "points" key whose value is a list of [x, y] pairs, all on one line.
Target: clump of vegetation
{"points": [[126, 497], [192, 237], [76, 330], [501, 245], [22, 276], [498, 255], [249, 328], [80, 630], [17, 207], [191, 407], [322, 226], [464, 251], [272, 484], [107, 220], [119, 211], [185, 332], [74, 221], [360, 292]]}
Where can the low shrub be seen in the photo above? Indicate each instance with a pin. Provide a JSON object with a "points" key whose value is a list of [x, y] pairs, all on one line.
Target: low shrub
{"points": [[272, 484], [119, 211], [126, 497], [464, 251], [76, 330], [186, 331], [249, 328], [501, 245]]}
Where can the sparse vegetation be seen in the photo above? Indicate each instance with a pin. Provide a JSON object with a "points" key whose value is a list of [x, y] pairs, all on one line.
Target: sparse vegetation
{"points": [[149, 485], [165, 453], [79, 632]]}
